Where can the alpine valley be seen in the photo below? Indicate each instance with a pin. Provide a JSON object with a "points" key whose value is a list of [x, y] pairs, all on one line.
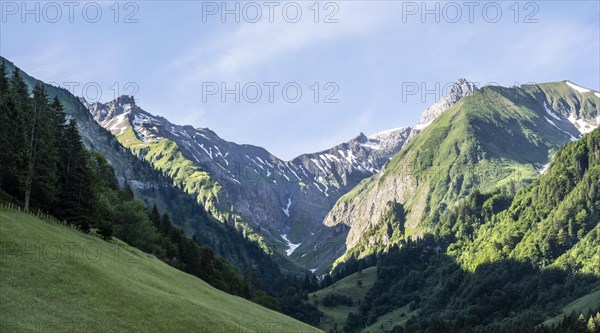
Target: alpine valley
{"points": [[483, 217]]}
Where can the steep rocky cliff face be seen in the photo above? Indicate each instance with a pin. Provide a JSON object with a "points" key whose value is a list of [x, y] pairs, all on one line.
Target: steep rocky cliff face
{"points": [[281, 202]]}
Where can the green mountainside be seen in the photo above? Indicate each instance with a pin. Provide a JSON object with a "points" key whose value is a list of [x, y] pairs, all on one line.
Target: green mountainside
{"points": [[495, 137], [552, 222], [354, 287], [507, 260], [57, 279]]}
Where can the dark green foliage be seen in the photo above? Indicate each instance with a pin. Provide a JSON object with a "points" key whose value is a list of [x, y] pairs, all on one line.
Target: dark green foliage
{"points": [[155, 217], [105, 230], [268, 301], [509, 294], [76, 200], [310, 283], [294, 302], [334, 299], [352, 265], [43, 159], [16, 107]]}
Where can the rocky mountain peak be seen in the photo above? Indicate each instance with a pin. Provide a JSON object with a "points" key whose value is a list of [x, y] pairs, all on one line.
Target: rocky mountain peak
{"points": [[462, 87], [125, 99], [458, 90], [121, 104], [361, 138]]}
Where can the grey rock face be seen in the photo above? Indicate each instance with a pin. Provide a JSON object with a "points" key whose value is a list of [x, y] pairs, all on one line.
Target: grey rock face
{"points": [[459, 89], [286, 199]]}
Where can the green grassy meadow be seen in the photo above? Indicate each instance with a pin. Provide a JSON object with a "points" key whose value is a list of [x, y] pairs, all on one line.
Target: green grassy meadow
{"points": [[56, 279], [346, 286]]}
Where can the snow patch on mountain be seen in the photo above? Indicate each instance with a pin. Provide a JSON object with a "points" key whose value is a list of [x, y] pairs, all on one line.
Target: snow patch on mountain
{"points": [[579, 89], [553, 124], [286, 210], [293, 172], [116, 125], [582, 126], [291, 247], [371, 144], [549, 112]]}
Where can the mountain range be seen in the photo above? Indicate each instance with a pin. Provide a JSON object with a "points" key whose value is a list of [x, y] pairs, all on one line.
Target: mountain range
{"points": [[151, 186], [313, 208], [301, 207], [483, 216], [279, 203]]}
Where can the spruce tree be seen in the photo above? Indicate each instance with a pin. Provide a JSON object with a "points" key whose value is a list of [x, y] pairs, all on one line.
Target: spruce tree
{"points": [[155, 217], [5, 122], [42, 184], [126, 193], [15, 159], [165, 224], [76, 200]]}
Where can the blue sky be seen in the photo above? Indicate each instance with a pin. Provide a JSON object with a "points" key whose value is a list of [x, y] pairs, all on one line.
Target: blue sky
{"points": [[365, 61]]}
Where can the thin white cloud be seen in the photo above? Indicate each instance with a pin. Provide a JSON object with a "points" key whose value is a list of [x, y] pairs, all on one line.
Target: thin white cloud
{"points": [[243, 50]]}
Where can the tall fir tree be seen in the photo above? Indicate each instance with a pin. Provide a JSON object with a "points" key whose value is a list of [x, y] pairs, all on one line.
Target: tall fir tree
{"points": [[4, 123], [16, 109], [155, 217], [76, 201], [41, 185]]}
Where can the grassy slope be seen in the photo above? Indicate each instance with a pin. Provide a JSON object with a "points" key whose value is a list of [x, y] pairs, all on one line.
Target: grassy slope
{"points": [[346, 286], [56, 279], [580, 305], [393, 318]]}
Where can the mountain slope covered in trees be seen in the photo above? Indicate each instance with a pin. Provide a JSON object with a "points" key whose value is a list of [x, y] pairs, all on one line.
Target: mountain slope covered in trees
{"points": [[500, 261], [494, 137]]}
